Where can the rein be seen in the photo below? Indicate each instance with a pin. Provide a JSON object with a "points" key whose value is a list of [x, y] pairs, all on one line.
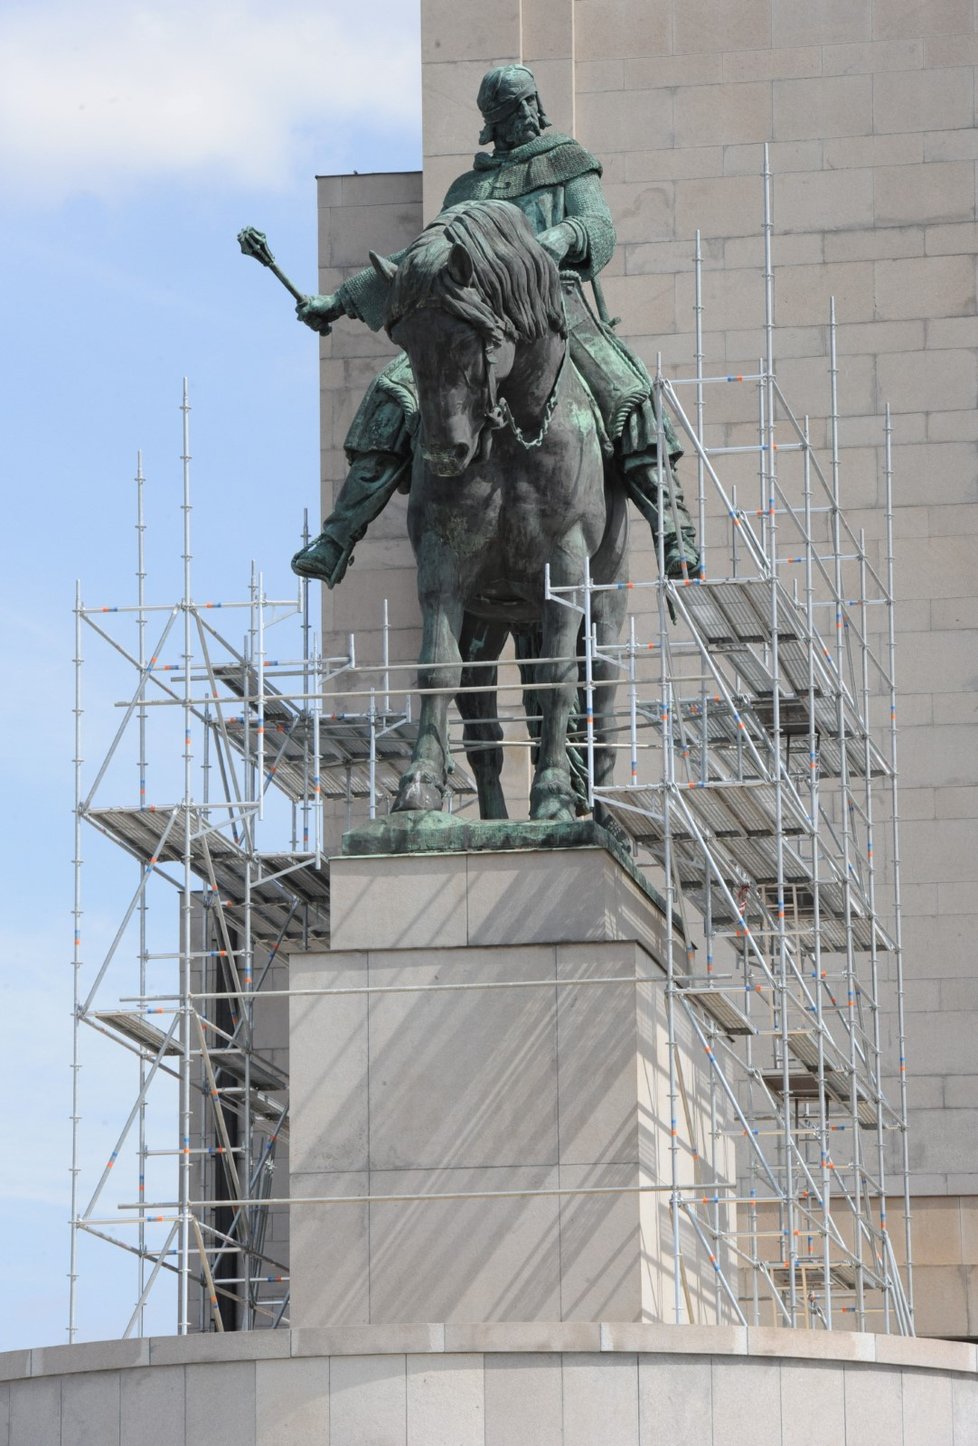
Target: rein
{"points": [[499, 414]]}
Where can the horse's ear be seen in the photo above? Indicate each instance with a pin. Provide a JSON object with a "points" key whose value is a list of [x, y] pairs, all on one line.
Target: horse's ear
{"points": [[384, 268], [460, 267]]}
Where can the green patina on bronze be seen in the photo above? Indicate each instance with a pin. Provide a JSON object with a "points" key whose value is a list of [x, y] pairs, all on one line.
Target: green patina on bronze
{"points": [[446, 833], [556, 183]]}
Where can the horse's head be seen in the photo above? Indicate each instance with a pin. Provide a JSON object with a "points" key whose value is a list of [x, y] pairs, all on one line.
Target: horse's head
{"points": [[472, 289]]}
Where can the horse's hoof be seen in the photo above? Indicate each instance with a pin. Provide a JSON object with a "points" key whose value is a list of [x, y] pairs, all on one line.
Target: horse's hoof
{"points": [[606, 820], [420, 791], [552, 798]]}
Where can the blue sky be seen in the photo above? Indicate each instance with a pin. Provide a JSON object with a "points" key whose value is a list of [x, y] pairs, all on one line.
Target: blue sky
{"points": [[135, 141]]}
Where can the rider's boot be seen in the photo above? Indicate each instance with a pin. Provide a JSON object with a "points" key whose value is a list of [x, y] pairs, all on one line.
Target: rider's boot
{"points": [[373, 479], [679, 548]]}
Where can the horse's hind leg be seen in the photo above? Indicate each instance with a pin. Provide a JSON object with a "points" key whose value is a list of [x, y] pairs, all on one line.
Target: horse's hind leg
{"points": [[608, 615], [481, 643]]}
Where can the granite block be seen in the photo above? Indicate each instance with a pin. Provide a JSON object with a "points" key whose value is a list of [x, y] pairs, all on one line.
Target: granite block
{"points": [[445, 1401], [368, 1400], [292, 1403], [153, 1405], [523, 1400], [675, 1398], [746, 1394], [601, 1400], [464, 1077], [233, 1385], [35, 1412], [465, 1260], [90, 1409]]}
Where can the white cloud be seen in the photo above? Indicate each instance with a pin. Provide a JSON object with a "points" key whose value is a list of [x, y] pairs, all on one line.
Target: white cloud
{"points": [[99, 95]]}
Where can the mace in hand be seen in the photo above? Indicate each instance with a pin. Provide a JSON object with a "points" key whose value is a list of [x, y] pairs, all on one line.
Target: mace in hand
{"points": [[308, 308]]}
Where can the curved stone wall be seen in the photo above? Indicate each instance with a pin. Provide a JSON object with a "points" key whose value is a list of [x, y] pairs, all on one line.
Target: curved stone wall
{"points": [[567, 1384]]}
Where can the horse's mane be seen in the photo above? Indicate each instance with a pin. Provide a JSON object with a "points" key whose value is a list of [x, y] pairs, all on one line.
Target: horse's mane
{"points": [[515, 287]]}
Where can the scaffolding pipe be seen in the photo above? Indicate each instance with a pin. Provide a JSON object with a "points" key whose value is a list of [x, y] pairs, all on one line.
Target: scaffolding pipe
{"points": [[183, 1283], [895, 833]]}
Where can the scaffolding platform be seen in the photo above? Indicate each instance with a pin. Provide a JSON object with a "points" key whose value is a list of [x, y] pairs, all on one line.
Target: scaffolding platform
{"points": [[263, 1081], [346, 743], [728, 611], [289, 895]]}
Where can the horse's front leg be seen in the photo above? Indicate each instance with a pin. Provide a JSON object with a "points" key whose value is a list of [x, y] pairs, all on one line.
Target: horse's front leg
{"points": [[481, 643], [552, 794], [423, 784]]}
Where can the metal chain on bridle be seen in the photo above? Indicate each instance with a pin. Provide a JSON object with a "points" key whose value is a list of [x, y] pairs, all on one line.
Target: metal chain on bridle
{"points": [[499, 414]]}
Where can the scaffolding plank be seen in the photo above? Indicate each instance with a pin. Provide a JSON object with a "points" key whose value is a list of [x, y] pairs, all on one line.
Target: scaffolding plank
{"points": [[135, 1027], [715, 1002], [291, 909], [812, 1272], [837, 1075], [749, 806], [262, 1075], [344, 755], [733, 610], [344, 743]]}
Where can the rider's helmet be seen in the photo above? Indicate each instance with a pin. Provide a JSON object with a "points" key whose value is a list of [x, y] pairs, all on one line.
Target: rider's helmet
{"points": [[501, 90]]}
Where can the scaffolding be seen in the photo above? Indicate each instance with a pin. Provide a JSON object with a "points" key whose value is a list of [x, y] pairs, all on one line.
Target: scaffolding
{"points": [[758, 768], [251, 754], [774, 715]]}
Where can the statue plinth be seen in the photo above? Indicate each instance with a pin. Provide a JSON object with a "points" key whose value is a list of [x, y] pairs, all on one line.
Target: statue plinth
{"points": [[491, 1028], [438, 832]]}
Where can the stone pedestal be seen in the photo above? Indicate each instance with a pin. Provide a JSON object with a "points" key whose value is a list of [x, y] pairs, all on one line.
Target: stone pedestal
{"points": [[491, 1028]]}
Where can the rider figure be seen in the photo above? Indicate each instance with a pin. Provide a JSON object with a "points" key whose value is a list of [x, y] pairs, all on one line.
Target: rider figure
{"points": [[557, 186]]}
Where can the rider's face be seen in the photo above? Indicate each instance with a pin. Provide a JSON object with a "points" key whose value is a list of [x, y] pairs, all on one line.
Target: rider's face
{"points": [[522, 124]]}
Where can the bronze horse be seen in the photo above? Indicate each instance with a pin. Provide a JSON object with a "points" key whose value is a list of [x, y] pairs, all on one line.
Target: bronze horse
{"points": [[509, 476]]}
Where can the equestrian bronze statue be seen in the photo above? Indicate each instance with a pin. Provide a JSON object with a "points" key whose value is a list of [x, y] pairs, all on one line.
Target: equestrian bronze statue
{"points": [[519, 423], [509, 481]]}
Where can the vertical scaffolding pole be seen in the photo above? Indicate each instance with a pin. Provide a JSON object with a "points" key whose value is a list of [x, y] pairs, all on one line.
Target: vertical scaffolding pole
{"points": [[770, 543], [665, 686], [142, 765], [244, 1033], [875, 1043], [589, 680], [186, 942], [260, 679], [372, 764], [845, 807], [825, 1159], [306, 689], [895, 826], [767, 441], [76, 964], [698, 363], [387, 662]]}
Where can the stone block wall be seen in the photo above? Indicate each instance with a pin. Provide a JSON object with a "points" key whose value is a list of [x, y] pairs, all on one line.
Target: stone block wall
{"points": [[553, 1384]]}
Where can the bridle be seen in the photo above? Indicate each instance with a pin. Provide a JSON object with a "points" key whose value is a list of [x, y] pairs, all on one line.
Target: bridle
{"points": [[499, 413]]}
